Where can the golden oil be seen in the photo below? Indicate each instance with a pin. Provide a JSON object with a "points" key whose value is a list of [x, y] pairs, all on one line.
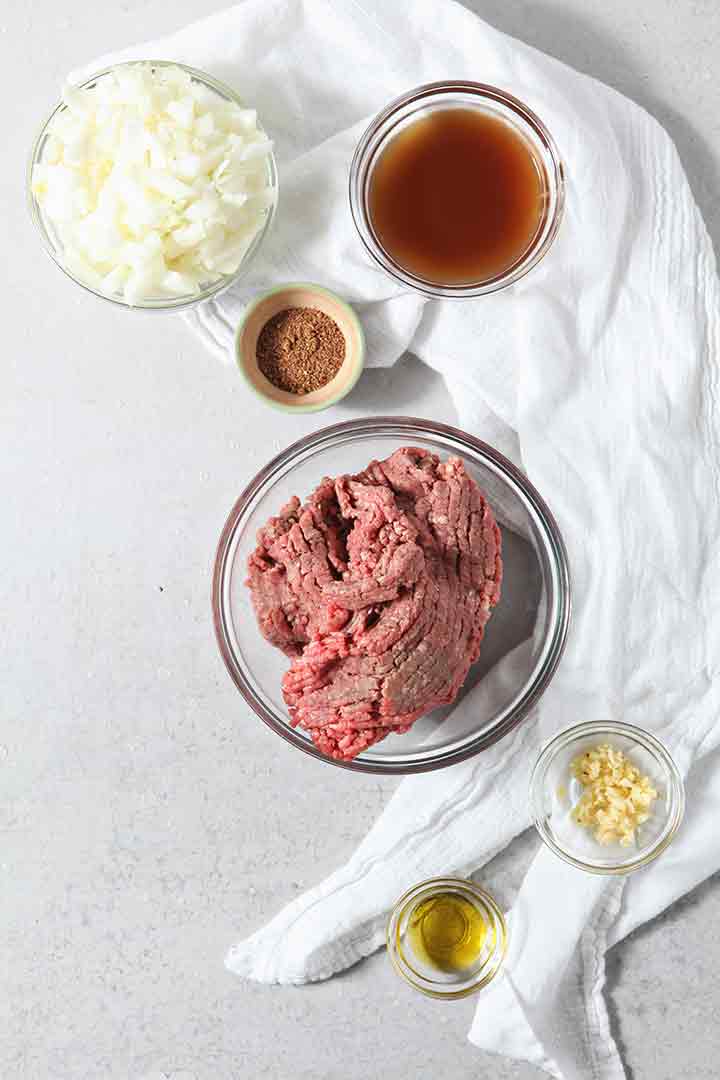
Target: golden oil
{"points": [[448, 932]]}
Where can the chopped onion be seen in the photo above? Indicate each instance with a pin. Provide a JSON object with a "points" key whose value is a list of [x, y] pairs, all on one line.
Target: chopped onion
{"points": [[155, 184]]}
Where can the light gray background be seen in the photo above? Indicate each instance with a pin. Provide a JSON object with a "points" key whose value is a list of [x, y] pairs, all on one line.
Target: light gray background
{"points": [[146, 818]]}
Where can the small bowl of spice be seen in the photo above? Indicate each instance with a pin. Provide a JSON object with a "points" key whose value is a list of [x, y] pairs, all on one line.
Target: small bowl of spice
{"points": [[300, 347], [606, 797], [447, 937]]}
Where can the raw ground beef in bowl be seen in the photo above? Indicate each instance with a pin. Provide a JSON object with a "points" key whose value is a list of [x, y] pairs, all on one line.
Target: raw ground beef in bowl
{"points": [[353, 586], [378, 587]]}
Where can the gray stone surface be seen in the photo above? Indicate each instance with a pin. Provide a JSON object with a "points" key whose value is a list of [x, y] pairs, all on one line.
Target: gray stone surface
{"points": [[146, 818]]}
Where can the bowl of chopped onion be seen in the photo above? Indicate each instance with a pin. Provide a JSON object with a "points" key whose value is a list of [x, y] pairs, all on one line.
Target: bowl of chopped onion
{"points": [[152, 185]]}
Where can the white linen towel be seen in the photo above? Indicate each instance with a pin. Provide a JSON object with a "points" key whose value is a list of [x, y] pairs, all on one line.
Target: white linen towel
{"points": [[598, 374]]}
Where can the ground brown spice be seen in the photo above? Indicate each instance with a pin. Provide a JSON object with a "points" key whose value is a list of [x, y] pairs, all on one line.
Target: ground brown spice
{"points": [[300, 349]]}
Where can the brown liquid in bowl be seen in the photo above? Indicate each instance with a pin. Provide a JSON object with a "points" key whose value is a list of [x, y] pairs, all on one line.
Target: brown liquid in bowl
{"points": [[457, 197]]}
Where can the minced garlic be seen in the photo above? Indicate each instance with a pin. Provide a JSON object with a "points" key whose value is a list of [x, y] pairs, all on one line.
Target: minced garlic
{"points": [[617, 797]]}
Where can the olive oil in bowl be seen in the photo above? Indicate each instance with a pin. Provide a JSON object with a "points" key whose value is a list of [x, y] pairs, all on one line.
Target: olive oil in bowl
{"points": [[447, 937], [448, 932]]}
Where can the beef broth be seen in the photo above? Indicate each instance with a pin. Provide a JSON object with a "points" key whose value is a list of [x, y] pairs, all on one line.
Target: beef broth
{"points": [[457, 197]]}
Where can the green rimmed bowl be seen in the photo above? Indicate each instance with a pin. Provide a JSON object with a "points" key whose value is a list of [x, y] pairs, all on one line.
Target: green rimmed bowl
{"points": [[271, 303]]}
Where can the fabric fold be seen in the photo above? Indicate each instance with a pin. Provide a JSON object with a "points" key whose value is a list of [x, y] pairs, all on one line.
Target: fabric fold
{"points": [[457, 819]]}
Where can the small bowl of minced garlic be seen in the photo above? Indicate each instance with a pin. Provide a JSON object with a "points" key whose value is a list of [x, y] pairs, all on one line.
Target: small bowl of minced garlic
{"points": [[606, 797]]}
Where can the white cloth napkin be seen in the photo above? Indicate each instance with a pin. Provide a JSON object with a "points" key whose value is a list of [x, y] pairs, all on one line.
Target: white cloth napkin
{"points": [[598, 374]]}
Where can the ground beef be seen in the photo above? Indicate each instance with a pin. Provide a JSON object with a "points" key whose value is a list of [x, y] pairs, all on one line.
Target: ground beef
{"points": [[378, 588]]}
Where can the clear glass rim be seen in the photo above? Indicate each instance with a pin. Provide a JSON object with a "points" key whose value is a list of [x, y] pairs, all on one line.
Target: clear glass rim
{"points": [[178, 303], [402, 426], [604, 729], [381, 129], [425, 890]]}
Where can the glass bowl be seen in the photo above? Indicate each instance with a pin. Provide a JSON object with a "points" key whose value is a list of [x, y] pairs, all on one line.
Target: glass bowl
{"points": [[554, 793], [531, 618], [53, 245], [415, 968], [453, 95]]}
